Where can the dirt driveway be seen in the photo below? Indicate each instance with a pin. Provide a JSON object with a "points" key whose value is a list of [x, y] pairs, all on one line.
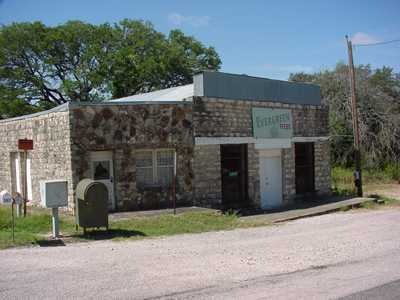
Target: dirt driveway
{"points": [[315, 258], [387, 190]]}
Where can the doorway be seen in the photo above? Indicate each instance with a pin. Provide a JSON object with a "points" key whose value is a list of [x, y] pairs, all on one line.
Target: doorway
{"points": [[270, 178], [102, 170], [234, 175], [304, 168]]}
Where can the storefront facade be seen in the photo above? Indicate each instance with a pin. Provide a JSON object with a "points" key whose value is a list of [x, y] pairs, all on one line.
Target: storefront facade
{"points": [[232, 140]]}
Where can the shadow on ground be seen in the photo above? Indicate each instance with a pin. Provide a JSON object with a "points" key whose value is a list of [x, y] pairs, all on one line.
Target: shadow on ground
{"points": [[109, 234], [50, 243]]}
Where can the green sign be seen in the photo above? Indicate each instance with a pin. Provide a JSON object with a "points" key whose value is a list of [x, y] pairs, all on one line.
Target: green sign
{"points": [[272, 123]]}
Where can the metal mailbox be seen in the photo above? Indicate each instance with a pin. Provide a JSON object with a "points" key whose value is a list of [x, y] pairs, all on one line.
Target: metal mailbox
{"points": [[91, 204]]}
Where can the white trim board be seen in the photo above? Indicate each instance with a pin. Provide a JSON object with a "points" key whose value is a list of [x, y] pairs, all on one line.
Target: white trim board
{"points": [[259, 143], [297, 139]]}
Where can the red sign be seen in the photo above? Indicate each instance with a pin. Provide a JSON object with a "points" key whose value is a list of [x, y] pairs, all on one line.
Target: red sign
{"points": [[25, 144]]}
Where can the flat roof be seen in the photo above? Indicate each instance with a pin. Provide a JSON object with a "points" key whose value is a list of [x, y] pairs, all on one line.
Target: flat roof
{"points": [[244, 87]]}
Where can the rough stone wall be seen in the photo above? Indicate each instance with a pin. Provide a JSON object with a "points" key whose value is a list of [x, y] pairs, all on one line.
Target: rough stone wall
{"points": [[322, 167], [232, 118], [214, 117], [207, 179], [253, 166], [50, 158], [289, 175], [123, 129]]}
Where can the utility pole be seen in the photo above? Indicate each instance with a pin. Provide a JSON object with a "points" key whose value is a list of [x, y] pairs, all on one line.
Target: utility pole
{"points": [[356, 129]]}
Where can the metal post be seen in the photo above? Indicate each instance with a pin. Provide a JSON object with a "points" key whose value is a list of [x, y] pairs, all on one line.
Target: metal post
{"points": [[25, 180], [55, 219], [13, 220], [356, 130], [19, 210], [174, 184]]}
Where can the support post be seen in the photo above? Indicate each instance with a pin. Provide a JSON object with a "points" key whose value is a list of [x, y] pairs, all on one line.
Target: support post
{"points": [[25, 180], [55, 219], [356, 130], [13, 220], [174, 184]]}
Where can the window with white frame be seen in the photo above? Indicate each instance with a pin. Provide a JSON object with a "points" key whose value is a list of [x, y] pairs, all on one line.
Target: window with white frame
{"points": [[154, 167]]}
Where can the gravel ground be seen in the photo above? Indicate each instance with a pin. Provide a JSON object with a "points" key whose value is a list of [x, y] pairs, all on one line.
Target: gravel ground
{"points": [[322, 257]]}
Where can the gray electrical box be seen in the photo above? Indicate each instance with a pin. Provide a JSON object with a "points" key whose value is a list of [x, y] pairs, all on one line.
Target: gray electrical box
{"points": [[91, 204], [54, 193]]}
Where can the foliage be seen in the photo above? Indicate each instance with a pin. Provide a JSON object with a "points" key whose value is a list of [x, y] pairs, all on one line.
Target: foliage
{"points": [[76, 61], [343, 178], [378, 96]]}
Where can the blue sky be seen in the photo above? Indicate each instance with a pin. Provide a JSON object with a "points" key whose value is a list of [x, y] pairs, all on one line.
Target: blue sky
{"points": [[261, 38]]}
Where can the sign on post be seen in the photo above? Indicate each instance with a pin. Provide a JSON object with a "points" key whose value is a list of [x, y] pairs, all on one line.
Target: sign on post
{"points": [[25, 144], [271, 123], [7, 199]]}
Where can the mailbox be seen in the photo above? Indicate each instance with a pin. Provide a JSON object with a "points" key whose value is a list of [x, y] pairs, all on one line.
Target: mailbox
{"points": [[5, 198], [91, 204]]}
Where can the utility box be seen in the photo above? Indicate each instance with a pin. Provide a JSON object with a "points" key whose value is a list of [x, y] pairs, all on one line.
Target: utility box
{"points": [[91, 204], [54, 193]]}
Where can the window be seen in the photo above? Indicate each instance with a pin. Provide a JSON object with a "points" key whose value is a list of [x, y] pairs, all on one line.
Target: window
{"points": [[154, 167]]}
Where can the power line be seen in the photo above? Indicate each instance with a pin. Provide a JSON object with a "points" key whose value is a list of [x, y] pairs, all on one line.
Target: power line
{"points": [[378, 43]]}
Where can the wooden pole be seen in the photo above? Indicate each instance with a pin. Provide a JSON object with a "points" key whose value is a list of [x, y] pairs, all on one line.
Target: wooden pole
{"points": [[356, 129]]}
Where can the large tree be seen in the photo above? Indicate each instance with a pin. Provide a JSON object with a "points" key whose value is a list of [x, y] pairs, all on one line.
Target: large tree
{"points": [[378, 95], [42, 66]]}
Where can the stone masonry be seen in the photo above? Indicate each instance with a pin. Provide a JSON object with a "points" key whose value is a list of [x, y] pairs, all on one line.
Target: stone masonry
{"points": [[51, 156], [214, 117], [64, 140], [123, 129]]}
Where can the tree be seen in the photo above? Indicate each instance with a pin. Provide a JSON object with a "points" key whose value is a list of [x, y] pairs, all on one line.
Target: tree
{"points": [[45, 66], [378, 94], [146, 60]]}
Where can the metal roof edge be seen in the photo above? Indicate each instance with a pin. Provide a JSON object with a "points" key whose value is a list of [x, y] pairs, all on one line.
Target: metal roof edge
{"points": [[111, 103]]}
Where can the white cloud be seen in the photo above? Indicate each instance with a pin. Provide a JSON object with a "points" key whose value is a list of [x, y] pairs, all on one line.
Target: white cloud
{"points": [[288, 68], [361, 38], [195, 21]]}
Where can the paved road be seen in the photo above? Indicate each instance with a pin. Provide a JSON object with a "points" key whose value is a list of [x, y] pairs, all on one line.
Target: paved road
{"points": [[325, 257]]}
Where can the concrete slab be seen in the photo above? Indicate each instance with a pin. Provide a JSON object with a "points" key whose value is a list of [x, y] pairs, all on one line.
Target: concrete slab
{"points": [[297, 213]]}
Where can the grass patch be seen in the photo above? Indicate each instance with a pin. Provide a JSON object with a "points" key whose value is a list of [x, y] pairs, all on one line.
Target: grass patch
{"points": [[343, 179], [35, 229]]}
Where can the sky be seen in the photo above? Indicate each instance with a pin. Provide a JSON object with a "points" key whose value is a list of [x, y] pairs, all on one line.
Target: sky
{"points": [[259, 38]]}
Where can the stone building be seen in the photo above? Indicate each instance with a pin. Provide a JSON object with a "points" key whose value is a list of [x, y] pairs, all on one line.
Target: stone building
{"points": [[233, 141]]}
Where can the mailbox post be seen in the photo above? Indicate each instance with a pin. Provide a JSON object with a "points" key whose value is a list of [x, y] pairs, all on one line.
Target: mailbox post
{"points": [[54, 194], [7, 199]]}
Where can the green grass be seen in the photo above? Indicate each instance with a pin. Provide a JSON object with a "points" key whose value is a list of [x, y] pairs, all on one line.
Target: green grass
{"points": [[343, 180], [36, 227]]}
